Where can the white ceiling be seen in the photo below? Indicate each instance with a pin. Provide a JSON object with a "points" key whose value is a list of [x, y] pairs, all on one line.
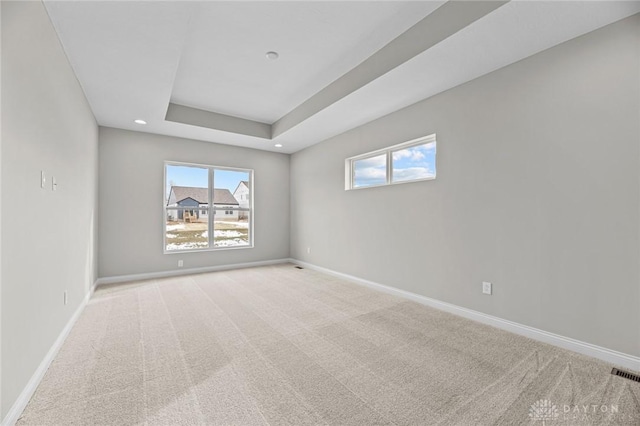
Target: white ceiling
{"points": [[133, 58], [223, 66]]}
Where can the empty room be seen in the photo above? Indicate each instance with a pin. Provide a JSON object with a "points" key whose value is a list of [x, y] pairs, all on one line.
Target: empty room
{"points": [[320, 213]]}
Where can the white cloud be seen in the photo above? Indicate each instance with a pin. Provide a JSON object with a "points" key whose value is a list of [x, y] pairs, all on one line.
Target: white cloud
{"points": [[415, 153], [379, 161], [370, 176], [371, 173], [411, 173]]}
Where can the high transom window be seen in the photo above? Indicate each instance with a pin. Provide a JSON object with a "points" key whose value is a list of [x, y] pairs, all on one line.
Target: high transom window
{"points": [[410, 161]]}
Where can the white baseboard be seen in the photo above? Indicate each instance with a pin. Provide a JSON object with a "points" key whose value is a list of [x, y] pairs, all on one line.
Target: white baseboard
{"points": [[18, 407], [178, 272], [93, 288], [614, 357]]}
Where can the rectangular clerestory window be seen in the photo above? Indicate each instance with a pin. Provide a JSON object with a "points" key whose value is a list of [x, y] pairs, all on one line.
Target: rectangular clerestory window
{"points": [[410, 161]]}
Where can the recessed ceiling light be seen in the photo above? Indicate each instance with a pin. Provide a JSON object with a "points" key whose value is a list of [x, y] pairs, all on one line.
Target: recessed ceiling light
{"points": [[272, 55], [138, 121], [278, 145]]}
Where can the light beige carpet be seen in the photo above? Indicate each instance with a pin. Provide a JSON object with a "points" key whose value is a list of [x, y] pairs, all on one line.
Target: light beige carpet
{"points": [[278, 345]]}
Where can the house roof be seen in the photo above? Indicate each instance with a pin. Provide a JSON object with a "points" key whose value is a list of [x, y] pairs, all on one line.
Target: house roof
{"points": [[220, 195], [223, 196]]}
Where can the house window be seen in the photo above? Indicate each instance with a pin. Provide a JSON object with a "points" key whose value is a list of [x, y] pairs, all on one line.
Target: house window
{"points": [[195, 196], [410, 161], [370, 171]]}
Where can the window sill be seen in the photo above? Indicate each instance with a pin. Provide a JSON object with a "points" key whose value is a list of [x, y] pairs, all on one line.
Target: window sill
{"points": [[390, 184]]}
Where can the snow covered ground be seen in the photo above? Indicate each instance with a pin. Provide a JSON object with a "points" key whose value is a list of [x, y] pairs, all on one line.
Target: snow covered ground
{"points": [[190, 236], [230, 243], [239, 225], [187, 246], [175, 227], [221, 234]]}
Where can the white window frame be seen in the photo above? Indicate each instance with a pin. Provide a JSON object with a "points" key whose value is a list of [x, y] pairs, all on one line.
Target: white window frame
{"points": [[349, 168], [211, 208]]}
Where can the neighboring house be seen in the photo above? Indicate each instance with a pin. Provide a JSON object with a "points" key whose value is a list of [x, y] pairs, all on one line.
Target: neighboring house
{"points": [[198, 200], [242, 194]]}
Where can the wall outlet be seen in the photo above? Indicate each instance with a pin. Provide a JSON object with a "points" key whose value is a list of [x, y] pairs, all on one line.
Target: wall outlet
{"points": [[308, 250], [54, 184], [180, 263], [65, 297], [43, 179], [486, 287]]}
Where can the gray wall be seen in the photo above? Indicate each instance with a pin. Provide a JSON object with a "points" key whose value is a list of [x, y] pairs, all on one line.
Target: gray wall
{"points": [[132, 182], [48, 238], [537, 191]]}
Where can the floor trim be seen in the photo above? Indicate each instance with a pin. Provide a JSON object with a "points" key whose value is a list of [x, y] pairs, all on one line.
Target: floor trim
{"points": [[21, 402], [178, 272], [614, 357]]}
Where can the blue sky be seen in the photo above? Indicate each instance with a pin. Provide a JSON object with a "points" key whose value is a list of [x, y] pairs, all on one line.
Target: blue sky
{"points": [[198, 177]]}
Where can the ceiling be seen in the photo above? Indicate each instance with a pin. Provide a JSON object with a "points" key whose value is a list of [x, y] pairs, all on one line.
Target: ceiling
{"points": [[198, 69]]}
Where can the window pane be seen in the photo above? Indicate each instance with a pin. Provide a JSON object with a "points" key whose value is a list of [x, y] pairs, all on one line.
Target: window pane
{"points": [[370, 171], [233, 230], [187, 189], [186, 229], [232, 192], [416, 162]]}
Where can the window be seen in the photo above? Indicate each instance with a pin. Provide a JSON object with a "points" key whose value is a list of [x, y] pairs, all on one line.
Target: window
{"points": [[406, 162], [370, 171], [202, 210]]}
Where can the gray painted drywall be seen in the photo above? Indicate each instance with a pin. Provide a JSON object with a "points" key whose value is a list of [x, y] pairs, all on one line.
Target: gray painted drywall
{"points": [[1, 412], [131, 202], [214, 120], [48, 238], [538, 192]]}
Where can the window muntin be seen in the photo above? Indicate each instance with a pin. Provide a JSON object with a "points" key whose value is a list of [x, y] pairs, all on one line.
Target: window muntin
{"points": [[410, 161], [190, 214]]}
